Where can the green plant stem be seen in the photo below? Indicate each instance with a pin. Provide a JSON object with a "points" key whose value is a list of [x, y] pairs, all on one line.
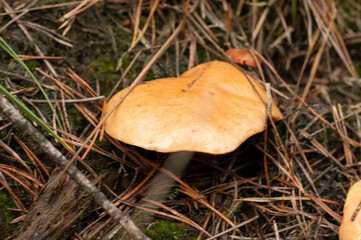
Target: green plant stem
{"points": [[28, 112], [13, 54]]}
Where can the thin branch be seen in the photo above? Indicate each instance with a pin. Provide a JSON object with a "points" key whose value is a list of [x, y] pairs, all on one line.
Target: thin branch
{"points": [[54, 154]]}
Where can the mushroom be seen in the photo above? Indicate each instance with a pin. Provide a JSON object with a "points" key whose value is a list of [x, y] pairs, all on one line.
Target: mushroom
{"points": [[351, 224], [211, 108], [243, 56]]}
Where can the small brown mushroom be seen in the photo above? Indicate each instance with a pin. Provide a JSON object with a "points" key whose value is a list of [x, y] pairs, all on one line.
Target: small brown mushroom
{"points": [[243, 56], [211, 108], [351, 224]]}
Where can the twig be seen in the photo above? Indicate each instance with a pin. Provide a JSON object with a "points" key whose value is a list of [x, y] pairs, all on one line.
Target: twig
{"points": [[13, 20], [27, 57], [17, 76], [47, 147], [68, 100], [59, 5]]}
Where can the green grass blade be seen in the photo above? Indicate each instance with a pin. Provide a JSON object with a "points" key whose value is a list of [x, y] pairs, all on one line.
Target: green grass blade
{"points": [[13, 54], [29, 113]]}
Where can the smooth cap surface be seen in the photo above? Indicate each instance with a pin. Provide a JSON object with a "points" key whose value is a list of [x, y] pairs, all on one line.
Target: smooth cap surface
{"points": [[351, 230], [210, 108]]}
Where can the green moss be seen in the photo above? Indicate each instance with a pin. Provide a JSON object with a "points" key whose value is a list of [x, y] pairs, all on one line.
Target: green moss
{"points": [[358, 92], [102, 65], [336, 96], [32, 64], [344, 6], [202, 57], [278, 31], [172, 195], [6, 216], [104, 144], [167, 231], [350, 22], [76, 118], [123, 44], [358, 71], [283, 89], [7, 203], [104, 68], [75, 114]]}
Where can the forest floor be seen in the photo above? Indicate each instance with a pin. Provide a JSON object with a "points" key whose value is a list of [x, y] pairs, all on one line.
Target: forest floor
{"points": [[290, 183]]}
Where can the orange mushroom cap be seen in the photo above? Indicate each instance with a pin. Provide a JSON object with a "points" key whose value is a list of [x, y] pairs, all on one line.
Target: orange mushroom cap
{"points": [[210, 108], [351, 229], [243, 56]]}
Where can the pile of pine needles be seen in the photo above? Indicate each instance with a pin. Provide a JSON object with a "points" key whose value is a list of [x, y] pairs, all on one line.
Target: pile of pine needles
{"points": [[289, 183]]}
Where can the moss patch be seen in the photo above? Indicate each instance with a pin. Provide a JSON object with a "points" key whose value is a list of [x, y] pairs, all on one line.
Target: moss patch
{"points": [[166, 230], [102, 65], [6, 216]]}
